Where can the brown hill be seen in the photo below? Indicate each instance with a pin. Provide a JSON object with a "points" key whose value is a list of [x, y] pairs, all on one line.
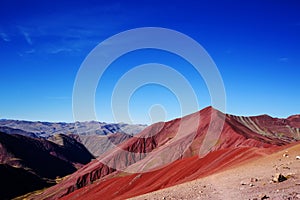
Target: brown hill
{"points": [[99, 144], [17, 181], [40, 160]]}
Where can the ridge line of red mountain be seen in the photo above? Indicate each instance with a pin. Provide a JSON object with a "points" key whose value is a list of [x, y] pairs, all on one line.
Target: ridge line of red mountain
{"points": [[159, 145]]}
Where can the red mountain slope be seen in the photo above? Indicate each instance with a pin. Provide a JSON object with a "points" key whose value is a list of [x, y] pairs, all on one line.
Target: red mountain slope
{"points": [[180, 171], [178, 140]]}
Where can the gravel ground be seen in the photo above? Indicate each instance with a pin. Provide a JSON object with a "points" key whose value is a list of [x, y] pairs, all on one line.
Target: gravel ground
{"points": [[253, 180]]}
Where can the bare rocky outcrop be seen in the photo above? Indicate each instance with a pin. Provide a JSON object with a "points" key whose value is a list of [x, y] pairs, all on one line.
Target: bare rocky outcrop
{"points": [[279, 178]]}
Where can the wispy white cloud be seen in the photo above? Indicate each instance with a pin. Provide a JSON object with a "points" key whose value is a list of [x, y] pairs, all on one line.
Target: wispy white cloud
{"points": [[27, 38], [68, 40], [283, 59], [26, 35], [61, 50], [4, 37], [30, 51], [67, 36]]}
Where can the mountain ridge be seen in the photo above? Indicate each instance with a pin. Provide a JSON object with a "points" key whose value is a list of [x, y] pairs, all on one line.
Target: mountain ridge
{"points": [[46, 129], [160, 144]]}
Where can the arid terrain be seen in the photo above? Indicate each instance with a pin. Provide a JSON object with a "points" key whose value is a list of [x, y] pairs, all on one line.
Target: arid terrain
{"points": [[250, 180], [248, 152], [150, 100]]}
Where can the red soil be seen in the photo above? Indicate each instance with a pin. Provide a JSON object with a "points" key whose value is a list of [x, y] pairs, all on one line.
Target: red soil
{"points": [[249, 180], [180, 171]]}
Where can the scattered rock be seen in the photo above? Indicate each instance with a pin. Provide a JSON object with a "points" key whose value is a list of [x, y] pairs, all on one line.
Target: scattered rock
{"points": [[251, 185], [297, 157], [285, 155], [279, 178], [253, 180], [263, 196], [290, 175], [243, 183]]}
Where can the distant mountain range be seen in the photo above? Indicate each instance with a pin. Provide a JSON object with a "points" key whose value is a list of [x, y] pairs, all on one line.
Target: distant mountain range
{"points": [[47, 129], [91, 134]]}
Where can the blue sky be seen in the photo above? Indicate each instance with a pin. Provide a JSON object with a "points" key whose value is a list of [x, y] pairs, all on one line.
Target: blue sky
{"points": [[255, 45]]}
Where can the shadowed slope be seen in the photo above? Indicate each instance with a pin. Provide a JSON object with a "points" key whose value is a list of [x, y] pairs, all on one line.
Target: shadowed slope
{"points": [[38, 160], [18, 181], [9, 130], [43, 157]]}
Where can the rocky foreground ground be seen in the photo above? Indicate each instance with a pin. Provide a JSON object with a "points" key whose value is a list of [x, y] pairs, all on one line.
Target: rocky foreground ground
{"points": [[256, 180]]}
